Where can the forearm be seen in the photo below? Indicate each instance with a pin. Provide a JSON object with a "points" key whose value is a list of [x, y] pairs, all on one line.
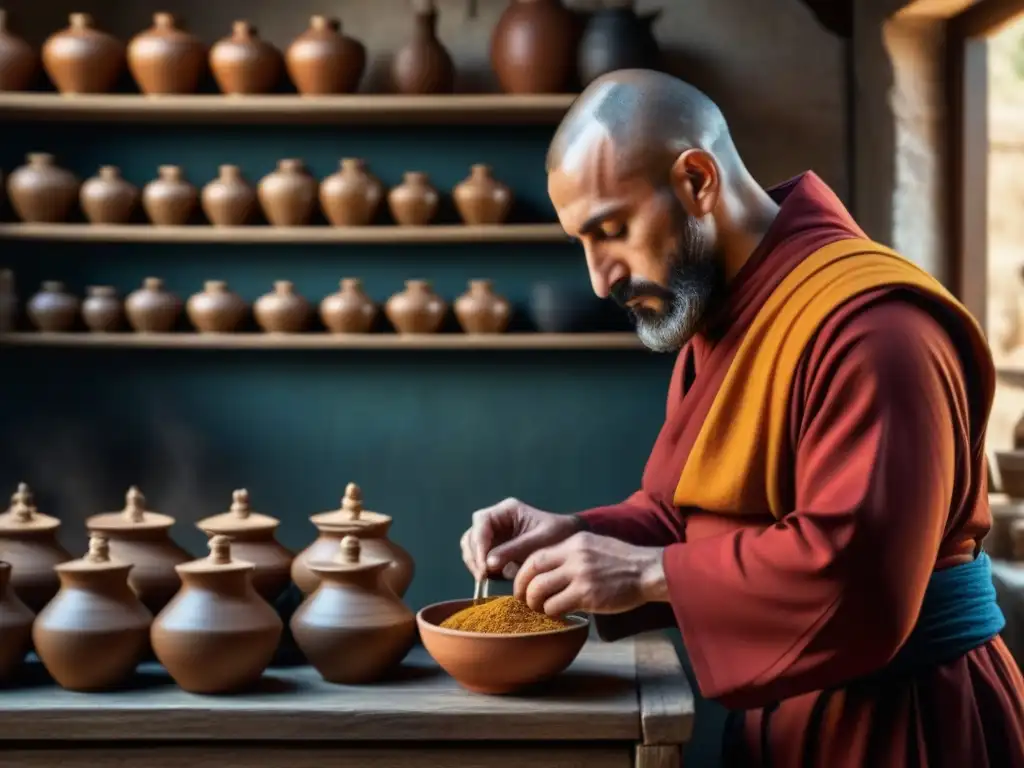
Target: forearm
{"points": [[641, 519]]}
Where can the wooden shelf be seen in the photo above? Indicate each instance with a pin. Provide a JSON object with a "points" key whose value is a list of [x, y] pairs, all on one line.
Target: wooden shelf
{"points": [[343, 110]]}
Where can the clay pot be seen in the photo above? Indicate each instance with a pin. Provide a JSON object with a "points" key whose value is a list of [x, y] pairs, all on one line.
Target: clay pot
{"points": [[282, 310], [107, 198], [414, 202], [372, 530], [95, 631], [170, 199], [216, 309], [288, 194], [217, 635], [151, 308], [28, 541], [253, 540], [102, 310], [351, 196], [617, 38], [15, 626], [229, 200], [533, 47], [82, 59], [349, 310], [165, 59], [322, 60], [142, 538], [423, 66], [482, 199], [417, 309], [18, 60], [243, 63], [53, 309], [40, 191], [481, 310]]}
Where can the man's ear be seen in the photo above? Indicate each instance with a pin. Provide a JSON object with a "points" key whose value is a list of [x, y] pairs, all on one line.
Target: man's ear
{"points": [[696, 182]]}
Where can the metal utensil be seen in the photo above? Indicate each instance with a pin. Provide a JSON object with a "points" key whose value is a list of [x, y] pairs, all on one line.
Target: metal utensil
{"points": [[481, 591]]}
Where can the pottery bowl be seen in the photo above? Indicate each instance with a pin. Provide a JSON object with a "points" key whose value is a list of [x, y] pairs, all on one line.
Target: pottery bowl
{"points": [[1011, 473], [498, 663]]}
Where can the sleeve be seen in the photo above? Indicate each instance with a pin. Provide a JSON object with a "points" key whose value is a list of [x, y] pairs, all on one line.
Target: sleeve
{"points": [[832, 590]]}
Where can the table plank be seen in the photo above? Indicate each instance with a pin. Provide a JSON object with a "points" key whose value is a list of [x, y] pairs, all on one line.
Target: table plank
{"points": [[666, 698]]}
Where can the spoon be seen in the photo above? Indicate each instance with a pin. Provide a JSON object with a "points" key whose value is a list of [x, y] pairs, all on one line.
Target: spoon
{"points": [[480, 592]]}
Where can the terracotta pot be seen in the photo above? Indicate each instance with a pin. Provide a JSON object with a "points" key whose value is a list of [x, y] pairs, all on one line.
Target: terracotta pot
{"points": [[481, 310], [165, 59], [322, 60], [18, 60], [170, 199], [216, 309], [533, 47], [152, 309], [229, 200], [349, 310], [82, 59], [108, 198], [142, 538], [351, 196], [217, 635], [28, 541], [40, 191], [53, 309], [245, 64], [253, 540], [288, 194], [282, 310], [95, 631], [423, 66], [372, 530], [417, 309], [102, 310], [15, 626], [617, 38], [414, 202], [482, 199]]}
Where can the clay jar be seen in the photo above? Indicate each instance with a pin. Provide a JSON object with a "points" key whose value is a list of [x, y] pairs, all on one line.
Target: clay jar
{"points": [[15, 626], [252, 540], [282, 310], [243, 63], [142, 538], [40, 191], [165, 59], [216, 309], [414, 202], [53, 309], [102, 310], [81, 58], [152, 308], [482, 199], [18, 60], [616, 38], [349, 310], [372, 530], [417, 309], [28, 541], [481, 310], [107, 198], [351, 196], [423, 66], [169, 200], [533, 47], [288, 194], [217, 635], [95, 631], [229, 200], [322, 60]]}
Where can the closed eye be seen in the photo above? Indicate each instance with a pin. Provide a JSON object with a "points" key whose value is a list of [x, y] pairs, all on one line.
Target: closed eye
{"points": [[611, 230]]}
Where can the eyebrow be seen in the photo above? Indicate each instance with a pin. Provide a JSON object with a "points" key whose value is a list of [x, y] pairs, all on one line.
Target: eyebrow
{"points": [[594, 222]]}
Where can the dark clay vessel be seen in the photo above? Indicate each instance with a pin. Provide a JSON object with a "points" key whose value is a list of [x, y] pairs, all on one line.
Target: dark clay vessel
{"points": [[617, 38], [423, 65], [53, 309], [533, 48], [18, 60]]}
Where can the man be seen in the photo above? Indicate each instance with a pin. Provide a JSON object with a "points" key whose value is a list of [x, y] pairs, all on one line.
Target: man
{"points": [[812, 511]]}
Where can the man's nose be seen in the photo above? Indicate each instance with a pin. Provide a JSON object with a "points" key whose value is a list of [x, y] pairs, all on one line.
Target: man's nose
{"points": [[604, 273]]}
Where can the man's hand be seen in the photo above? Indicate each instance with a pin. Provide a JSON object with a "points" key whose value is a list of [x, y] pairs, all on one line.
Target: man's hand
{"points": [[594, 574]]}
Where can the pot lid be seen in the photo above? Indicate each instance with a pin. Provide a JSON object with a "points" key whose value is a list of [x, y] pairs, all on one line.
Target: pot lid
{"points": [[133, 517], [348, 559], [238, 518], [96, 559], [351, 516], [22, 515], [218, 561]]}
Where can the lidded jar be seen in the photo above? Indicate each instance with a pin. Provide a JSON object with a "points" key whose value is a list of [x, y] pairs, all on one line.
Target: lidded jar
{"points": [[353, 629], [423, 65], [288, 194], [41, 192], [216, 309], [217, 635], [53, 309], [81, 58], [229, 200], [93, 634], [244, 63], [253, 540], [417, 309], [481, 310], [28, 541], [170, 199], [165, 58], [108, 198], [15, 626], [372, 530], [414, 202], [138, 536], [18, 60], [282, 310], [102, 310], [152, 308], [482, 199], [351, 196], [322, 60], [349, 310]]}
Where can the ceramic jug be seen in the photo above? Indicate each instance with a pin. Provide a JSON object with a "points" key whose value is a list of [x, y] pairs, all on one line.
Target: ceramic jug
{"points": [[18, 60], [53, 309], [482, 199], [166, 59], [423, 65], [152, 308], [216, 309], [243, 63], [102, 310], [288, 195], [481, 310], [15, 626], [28, 541], [322, 60], [81, 58], [170, 199], [417, 309], [414, 202], [229, 200], [533, 47], [40, 191], [349, 310], [108, 198], [351, 196], [282, 310]]}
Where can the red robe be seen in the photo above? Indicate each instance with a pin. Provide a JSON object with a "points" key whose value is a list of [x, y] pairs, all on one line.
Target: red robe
{"points": [[784, 619]]}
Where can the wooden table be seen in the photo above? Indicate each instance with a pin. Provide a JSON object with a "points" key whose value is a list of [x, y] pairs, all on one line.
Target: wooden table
{"points": [[620, 704]]}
